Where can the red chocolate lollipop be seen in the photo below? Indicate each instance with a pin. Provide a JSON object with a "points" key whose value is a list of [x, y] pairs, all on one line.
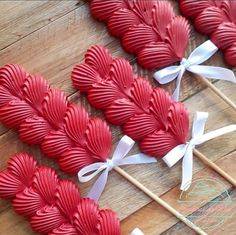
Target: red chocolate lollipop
{"points": [[43, 116], [53, 206], [148, 28], [146, 114], [217, 19]]}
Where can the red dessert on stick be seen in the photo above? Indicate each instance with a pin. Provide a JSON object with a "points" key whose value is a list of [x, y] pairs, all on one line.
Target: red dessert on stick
{"points": [[146, 113]]}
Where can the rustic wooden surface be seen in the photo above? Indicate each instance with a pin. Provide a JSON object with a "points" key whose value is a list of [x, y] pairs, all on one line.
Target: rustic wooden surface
{"points": [[50, 37]]}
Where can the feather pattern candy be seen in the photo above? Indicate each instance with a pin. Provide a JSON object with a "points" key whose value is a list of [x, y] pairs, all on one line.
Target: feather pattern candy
{"points": [[147, 114], [43, 116], [52, 205]]}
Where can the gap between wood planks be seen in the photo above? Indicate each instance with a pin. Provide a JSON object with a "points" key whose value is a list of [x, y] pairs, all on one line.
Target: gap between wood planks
{"points": [[50, 20]]}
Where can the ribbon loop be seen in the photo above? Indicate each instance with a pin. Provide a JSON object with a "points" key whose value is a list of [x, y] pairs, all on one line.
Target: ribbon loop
{"points": [[199, 122], [202, 53], [185, 151], [118, 159], [122, 149], [96, 168], [192, 64]]}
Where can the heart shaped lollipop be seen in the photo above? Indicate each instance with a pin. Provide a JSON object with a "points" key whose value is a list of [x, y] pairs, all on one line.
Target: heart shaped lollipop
{"points": [[43, 116], [52, 206], [147, 28], [147, 114], [217, 19]]}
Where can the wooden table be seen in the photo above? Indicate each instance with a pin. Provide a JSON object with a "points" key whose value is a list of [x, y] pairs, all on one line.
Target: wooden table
{"points": [[49, 38]]}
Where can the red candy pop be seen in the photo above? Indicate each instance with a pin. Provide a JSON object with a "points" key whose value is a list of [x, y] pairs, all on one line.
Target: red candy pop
{"points": [[217, 19], [53, 206], [148, 28], [146, 114], [44, 116]]}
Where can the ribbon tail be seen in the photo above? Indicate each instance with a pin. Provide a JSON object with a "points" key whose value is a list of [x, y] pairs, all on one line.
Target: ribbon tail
{"points": [[216, 133], [99, 186], [122, 149], [187, 169], [139, 158], [172, 157], [137, 231], [213, 72], [175, 95], [199, 123]]}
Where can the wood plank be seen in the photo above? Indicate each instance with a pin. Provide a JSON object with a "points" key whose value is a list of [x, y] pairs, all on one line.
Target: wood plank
{"points": [[30, 17], [4, 205], [11, 224]]}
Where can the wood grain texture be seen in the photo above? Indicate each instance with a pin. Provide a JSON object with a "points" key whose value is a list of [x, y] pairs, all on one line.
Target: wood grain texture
{"points": [[52, 41], [30, 17]]}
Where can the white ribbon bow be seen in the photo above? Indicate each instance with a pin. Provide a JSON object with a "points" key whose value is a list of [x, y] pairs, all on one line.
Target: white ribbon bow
{"points": [[198, 56], [137, 231], [185, 151], [118, 159]]}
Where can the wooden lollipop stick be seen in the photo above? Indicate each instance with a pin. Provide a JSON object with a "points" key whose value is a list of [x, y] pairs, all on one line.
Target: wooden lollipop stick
{"points": [[159, 201], [218, 92], [214, 167]]}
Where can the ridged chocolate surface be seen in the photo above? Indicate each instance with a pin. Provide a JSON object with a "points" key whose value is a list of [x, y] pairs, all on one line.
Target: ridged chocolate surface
{"points": [[148, 28], [43, 116], [217, 19], [52, 206], [147, 114]]}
